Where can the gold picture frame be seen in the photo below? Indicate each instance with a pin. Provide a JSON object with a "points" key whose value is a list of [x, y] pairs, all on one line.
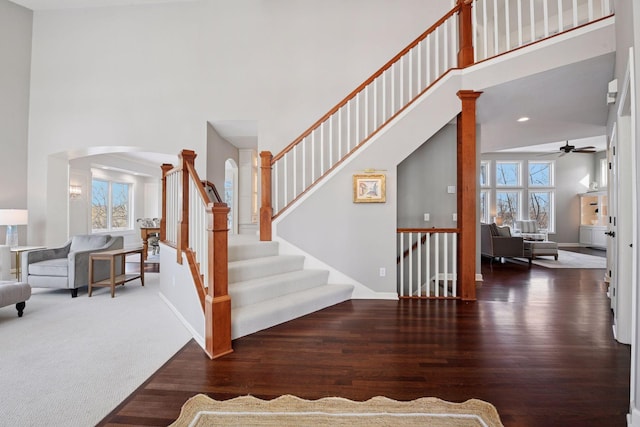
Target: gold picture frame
{"points": [[369, 188]]}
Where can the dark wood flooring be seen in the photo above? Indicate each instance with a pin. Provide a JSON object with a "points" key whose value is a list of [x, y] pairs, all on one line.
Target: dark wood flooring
{"points": [[537, 344]]}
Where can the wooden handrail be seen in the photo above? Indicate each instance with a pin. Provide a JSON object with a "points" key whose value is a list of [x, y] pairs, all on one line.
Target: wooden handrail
{"points": [[375, 75], [214, 189], [212, 286]]}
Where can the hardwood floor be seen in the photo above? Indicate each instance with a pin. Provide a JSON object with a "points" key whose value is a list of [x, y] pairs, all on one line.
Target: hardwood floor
{"points": [[537, 344]]}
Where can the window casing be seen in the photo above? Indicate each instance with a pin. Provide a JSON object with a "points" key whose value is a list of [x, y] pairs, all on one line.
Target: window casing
{"points": [[110, 205], [520, 198]]}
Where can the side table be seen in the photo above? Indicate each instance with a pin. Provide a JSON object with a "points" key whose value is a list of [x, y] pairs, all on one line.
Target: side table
{"points": [[18, 250], [119, 279]]}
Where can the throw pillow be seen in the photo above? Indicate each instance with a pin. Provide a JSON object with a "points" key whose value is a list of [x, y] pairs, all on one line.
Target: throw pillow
{"points": [[494, 229], [504, 232]]}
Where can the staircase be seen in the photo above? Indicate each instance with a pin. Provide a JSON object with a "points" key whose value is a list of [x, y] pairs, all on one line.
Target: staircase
{"points": [[267, 289]]}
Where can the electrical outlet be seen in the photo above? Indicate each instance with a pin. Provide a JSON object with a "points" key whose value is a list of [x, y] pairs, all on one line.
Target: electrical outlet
{"points": [[451, 189], [426, 217], [383, 272], [455, 217]]}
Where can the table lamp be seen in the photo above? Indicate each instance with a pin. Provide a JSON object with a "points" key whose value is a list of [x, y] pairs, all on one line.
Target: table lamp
{"points": [[12, 218]]}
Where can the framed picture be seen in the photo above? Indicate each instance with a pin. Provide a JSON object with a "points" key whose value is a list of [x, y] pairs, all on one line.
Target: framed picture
{"points": [[369, 188]]}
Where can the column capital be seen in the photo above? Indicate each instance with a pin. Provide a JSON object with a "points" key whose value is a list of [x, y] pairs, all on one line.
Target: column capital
{"points": [[466, 95]]}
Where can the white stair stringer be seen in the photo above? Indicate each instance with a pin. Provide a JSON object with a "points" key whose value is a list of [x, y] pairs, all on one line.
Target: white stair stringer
{"points": [[267, 289]]}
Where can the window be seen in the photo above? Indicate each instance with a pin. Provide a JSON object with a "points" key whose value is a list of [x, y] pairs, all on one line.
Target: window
{"points": [[508, 206], [508, 174], [541, 208], [484, 174], [484, 206], [110, 205], [604, 170], [540, 174]]}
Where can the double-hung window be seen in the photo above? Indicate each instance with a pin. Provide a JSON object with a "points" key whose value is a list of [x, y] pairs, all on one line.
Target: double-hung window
{"points": [[508, 191], [541, 194], [110, 205], [485, 192]]}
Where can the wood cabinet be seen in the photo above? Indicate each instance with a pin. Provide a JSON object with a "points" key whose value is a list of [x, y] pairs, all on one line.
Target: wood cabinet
{"points": [[593, 219]]}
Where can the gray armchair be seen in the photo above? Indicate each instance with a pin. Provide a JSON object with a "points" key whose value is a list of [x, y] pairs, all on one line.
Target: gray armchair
{"points": [[67, 267], [497, 242]]}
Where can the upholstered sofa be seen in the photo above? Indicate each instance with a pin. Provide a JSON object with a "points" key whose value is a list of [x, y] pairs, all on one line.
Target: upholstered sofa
{"points": [[67, 267], [497, 242]]}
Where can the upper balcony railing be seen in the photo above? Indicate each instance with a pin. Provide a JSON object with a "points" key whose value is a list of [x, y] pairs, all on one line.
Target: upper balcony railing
{"points": [[471, 32]]}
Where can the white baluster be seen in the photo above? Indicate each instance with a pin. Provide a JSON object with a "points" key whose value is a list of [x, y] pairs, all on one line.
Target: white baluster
{"points": [[545, 14], [294, 154], [507, 26], [575, 13], [532, 20], [436, 249], [304, 162], [401, 252], [496, 36], [560, 17], [590, 7], [427, 247], [410, 265], [474, 19], [519, 22], [445, 291], [419, 272], [322, 148], [485, 30], [454, 252]]}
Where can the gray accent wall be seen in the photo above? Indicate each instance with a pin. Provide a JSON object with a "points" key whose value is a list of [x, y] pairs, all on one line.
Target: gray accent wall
{"points": [[15, 57], [423, 178], [218, 151]]}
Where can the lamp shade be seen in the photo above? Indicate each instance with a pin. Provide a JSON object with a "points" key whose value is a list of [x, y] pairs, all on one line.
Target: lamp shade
{"points": [[13, 217]]}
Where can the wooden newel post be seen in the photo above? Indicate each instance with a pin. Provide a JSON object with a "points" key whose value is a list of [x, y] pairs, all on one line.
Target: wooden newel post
{"points": [[465, 34], [217, 301], [266, 210], [166, 167], [185, 157], [467, 203]]}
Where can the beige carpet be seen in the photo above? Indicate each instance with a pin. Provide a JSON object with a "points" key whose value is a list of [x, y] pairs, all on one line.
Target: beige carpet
{"points": [[568, 259], [288, 410]]}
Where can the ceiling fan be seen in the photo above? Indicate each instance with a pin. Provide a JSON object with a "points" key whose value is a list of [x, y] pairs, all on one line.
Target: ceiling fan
{"points": [[566, 149]]}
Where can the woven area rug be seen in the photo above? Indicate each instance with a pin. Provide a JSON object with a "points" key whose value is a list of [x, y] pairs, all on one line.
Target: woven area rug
{"points": [[201, 410], [568, 259]]}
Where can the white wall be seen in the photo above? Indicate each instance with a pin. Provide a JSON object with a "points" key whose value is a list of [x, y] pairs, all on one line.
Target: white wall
{"points": [[15, 57], [151, 76]]}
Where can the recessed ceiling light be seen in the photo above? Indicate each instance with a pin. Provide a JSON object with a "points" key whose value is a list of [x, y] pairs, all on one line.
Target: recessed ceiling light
{"points": [[523, 119]]}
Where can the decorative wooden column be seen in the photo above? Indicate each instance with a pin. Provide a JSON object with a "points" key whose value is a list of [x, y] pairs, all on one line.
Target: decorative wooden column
{"points": [[217, 306], [465, 34], [166, 167], [467, 200], [185, 156], [266, 209]]}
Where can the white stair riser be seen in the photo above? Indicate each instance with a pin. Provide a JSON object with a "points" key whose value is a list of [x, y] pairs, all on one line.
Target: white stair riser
{"points": [[256, 317], [261, 267], [252, 250], [254, 291]]}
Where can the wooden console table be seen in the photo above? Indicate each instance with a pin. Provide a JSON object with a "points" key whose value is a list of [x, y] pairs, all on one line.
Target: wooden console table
{"points": [[119, 279], [145, 232]]}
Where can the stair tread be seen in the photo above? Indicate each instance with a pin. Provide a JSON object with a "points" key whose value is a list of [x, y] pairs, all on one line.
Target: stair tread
{"points": [[263, 260], [291, 275], [251, 318]]}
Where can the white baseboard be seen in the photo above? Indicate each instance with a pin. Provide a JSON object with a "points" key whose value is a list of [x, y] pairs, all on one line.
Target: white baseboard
{"points": [[633, 418], [196, 336]]}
